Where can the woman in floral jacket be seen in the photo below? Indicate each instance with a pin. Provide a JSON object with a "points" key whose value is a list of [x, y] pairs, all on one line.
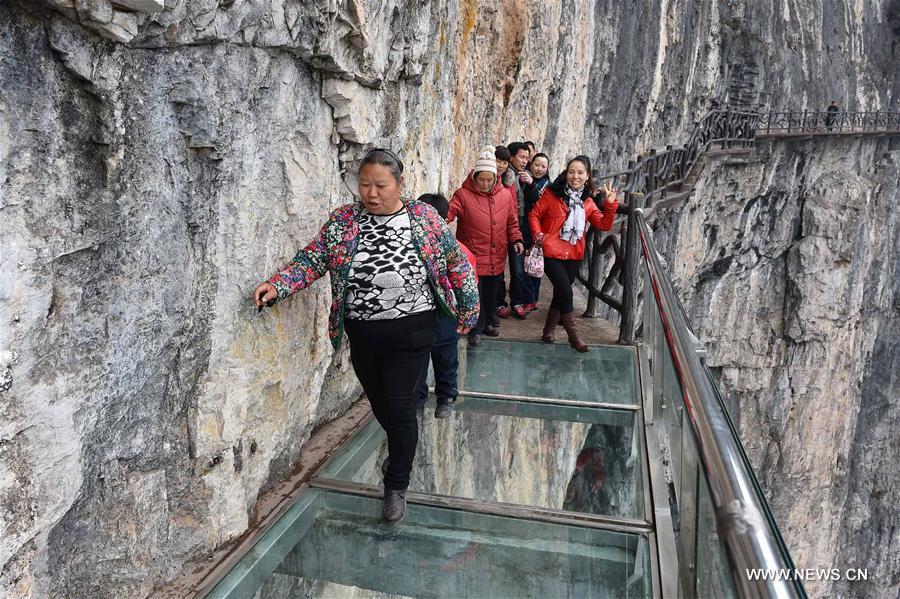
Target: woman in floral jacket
{"points": [[393, 264]]}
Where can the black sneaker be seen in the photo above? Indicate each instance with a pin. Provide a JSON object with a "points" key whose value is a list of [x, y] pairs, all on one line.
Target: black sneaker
{"points": [[491, 331], [474, 340], [444, 408], [394, 507]]}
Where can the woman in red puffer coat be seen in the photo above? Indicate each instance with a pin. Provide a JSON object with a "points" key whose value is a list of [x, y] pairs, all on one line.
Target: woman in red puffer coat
{"points": [[559, 225], [488, 226]]}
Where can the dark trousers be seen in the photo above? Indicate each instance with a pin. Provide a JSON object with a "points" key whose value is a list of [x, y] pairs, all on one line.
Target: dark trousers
{"points": [[444, 361], [487, 292], [532, 286], [561, 274], [517, 294], [389, 357], [516, 279]]}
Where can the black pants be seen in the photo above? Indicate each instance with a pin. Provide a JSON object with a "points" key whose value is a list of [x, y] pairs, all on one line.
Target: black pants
{"points": [[561, 274], [389, 357], [444, 361], [487, 292]]}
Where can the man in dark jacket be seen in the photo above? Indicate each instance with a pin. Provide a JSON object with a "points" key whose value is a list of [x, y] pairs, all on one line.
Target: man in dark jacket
{"points": [[517, 176]]}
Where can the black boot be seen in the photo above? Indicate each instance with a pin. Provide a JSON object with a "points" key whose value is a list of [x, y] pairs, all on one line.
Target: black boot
{"points": [[444, 407], [394, 505]]}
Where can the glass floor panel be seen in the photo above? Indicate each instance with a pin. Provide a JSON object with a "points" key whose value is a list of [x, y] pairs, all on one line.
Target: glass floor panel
{"points": [[606, 374], [573, 458], [339, 547]]}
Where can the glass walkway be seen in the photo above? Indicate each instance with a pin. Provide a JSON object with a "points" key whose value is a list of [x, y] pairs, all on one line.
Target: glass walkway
{"points": [[614, 473]]}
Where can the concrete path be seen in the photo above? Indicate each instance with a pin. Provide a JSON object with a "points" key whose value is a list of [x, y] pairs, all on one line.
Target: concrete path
{"points": [[594, 330]]}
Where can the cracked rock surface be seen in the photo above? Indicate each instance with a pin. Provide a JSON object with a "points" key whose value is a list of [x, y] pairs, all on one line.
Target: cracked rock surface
{"points": [[159, 158], [787, 264]]}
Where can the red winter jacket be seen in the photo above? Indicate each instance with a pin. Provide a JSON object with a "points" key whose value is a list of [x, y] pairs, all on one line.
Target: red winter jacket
{"points": [[488, 224], [549, 215]]}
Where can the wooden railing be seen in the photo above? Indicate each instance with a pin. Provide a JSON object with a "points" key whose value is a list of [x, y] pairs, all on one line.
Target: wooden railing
{"points": [[651, 177], [805, 122]]}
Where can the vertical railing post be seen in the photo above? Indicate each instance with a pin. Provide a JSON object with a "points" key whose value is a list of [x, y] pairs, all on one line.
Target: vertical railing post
{"points": [[630, 270], [667, 170]]}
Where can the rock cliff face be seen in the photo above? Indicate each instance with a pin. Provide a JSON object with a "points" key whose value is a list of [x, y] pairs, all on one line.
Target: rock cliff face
{"points": [[787, 262], [157, 159]]}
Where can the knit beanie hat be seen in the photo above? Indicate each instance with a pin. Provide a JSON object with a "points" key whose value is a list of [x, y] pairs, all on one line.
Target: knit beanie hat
{"points": [[486, 162]]}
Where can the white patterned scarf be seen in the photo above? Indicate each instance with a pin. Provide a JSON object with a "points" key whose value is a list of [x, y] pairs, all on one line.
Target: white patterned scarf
{"points": [[573, 229]]}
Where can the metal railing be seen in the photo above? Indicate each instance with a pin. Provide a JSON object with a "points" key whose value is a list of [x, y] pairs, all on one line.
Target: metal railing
{"points": [[725, 529], [651, 177], [646, 180]]}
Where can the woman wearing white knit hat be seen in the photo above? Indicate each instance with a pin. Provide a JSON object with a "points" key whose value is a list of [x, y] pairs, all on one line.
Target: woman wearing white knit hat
{"points": [[488, 226]]}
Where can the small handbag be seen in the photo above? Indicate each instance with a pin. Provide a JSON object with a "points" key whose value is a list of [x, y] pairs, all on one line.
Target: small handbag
{"points": [[534, 262]]}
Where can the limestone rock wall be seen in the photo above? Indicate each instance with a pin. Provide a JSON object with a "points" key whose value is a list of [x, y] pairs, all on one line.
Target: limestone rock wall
{"points": [[149, 181], [157, 159], [787, 263]]}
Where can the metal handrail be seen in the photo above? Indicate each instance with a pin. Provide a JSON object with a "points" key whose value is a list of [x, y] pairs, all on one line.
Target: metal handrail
{"points": [[751, 540], [650, 178], [655, 174]]}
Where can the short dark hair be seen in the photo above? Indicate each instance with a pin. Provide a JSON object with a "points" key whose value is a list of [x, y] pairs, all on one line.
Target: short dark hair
{"points": [[531, 143], [386, 158], [516, 147], [540, 155], [501, 153], [436, 201]]}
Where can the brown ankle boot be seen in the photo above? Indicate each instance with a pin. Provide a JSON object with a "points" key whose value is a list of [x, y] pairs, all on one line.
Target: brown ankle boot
{"points": [[550, 325], [568, 322]]}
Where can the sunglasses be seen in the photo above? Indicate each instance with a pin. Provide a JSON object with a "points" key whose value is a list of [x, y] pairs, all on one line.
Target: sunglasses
{"points": [[392, 156]]}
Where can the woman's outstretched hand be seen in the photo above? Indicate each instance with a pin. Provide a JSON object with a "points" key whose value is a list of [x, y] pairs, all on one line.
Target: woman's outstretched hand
{"points": [[264, 293], [519, 248], [608, 192]]}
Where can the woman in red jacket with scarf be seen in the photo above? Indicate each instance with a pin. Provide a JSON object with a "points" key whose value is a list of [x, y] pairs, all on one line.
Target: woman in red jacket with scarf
{"points": [[559, 222], [488, 226]]}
